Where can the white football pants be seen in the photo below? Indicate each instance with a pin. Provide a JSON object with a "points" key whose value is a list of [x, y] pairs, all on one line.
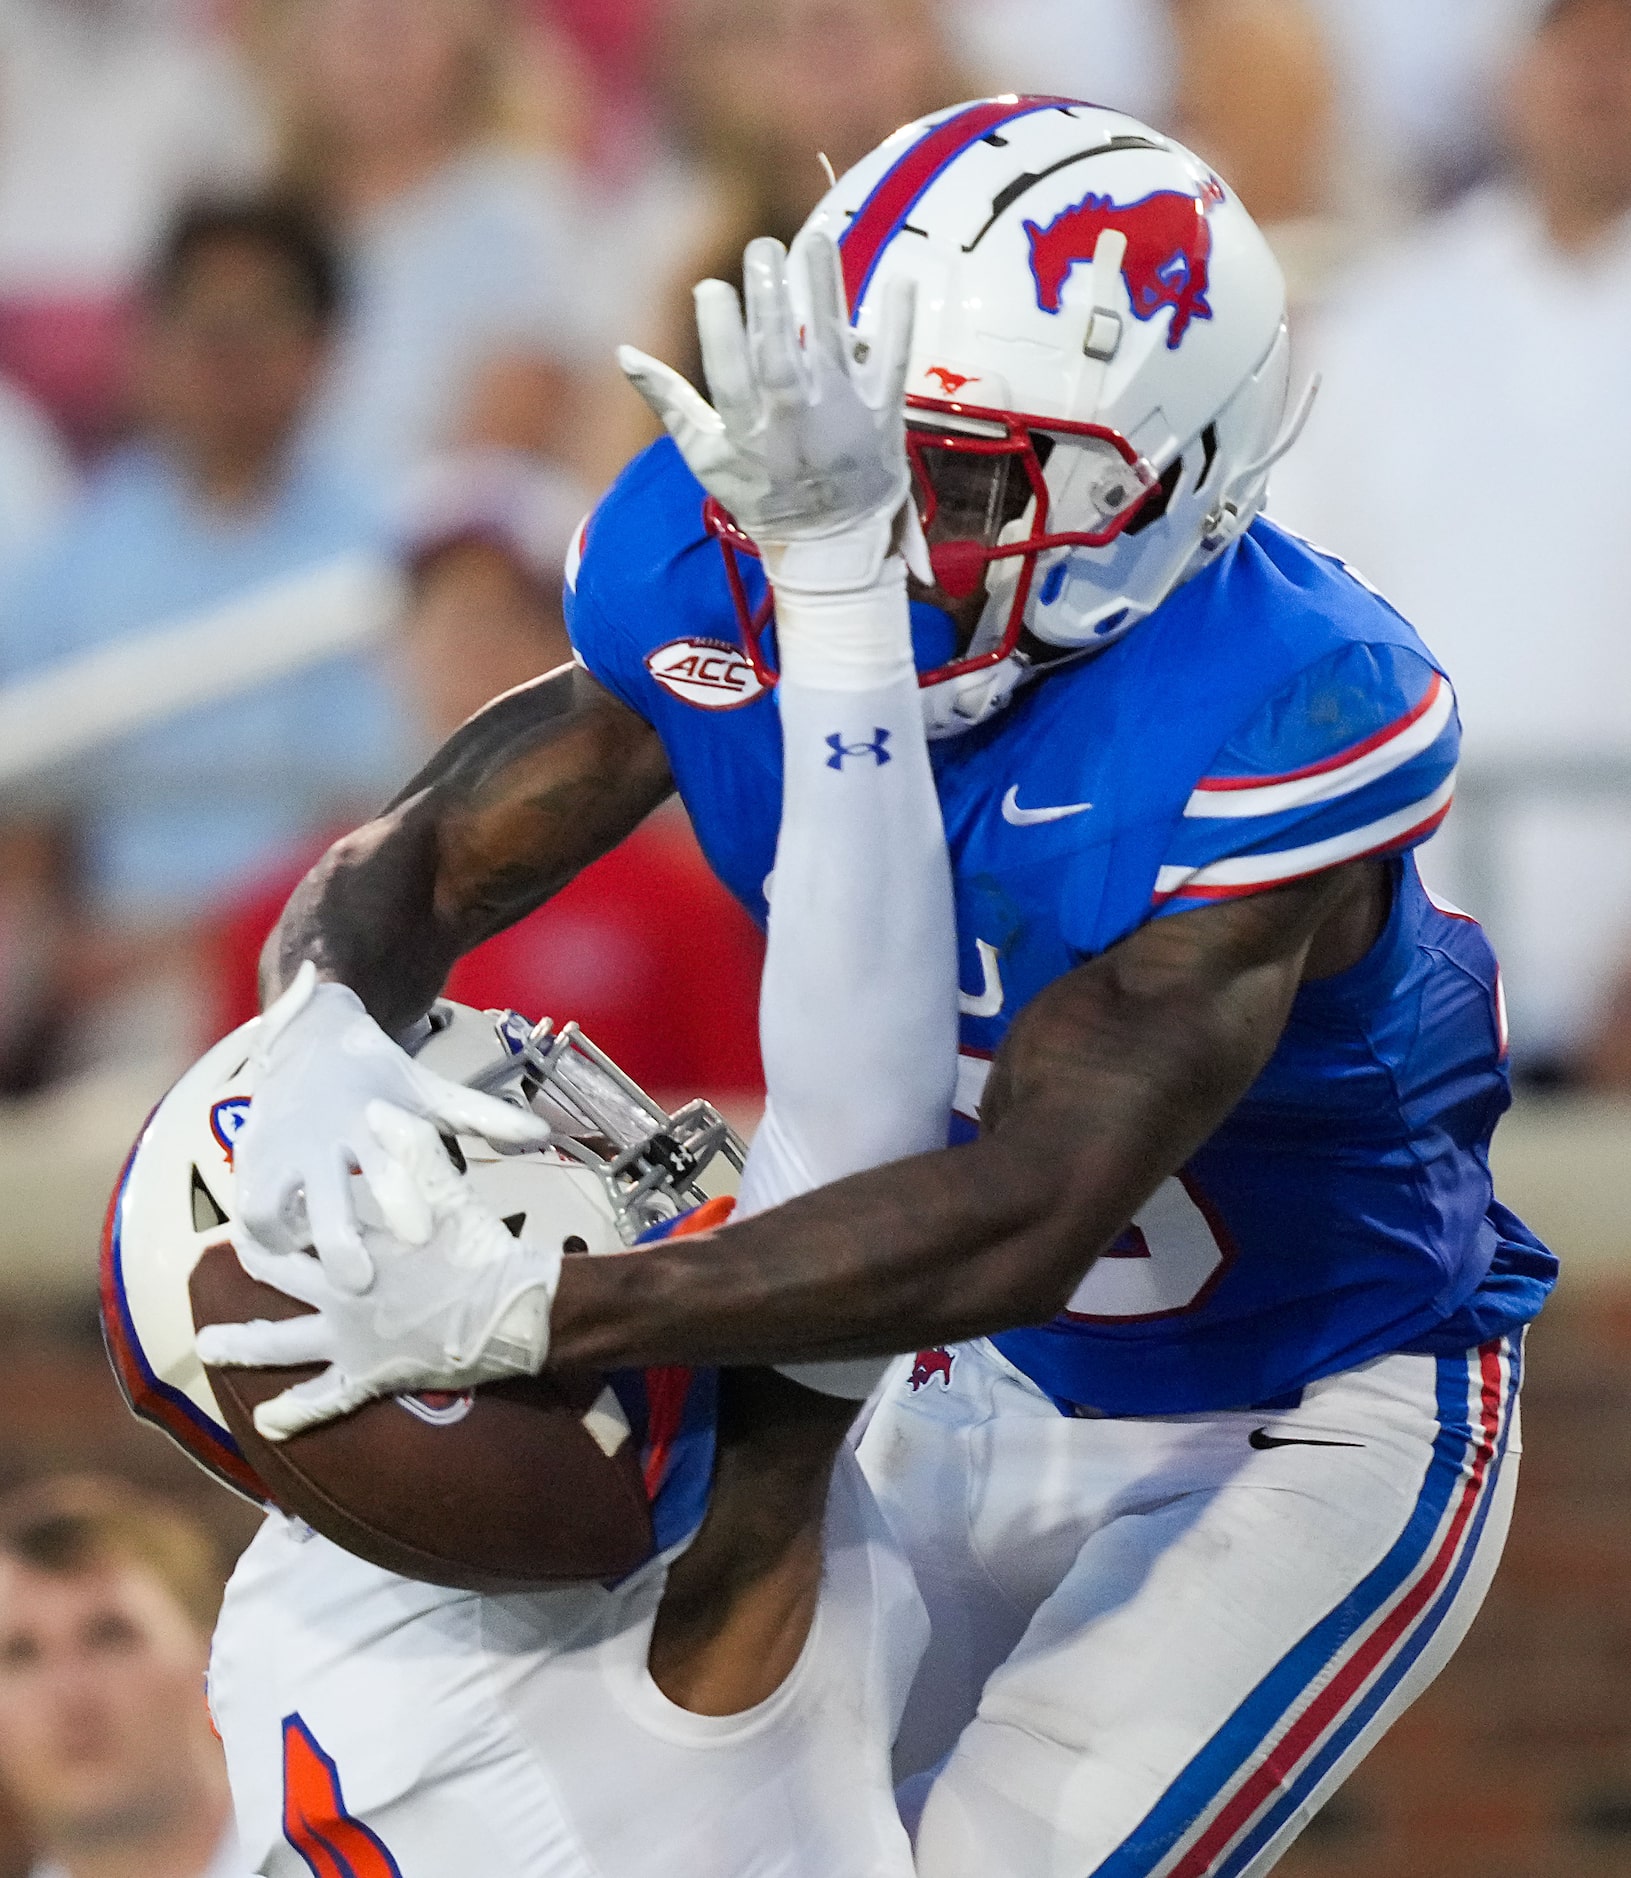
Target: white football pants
{"points": [[1159, 1645], [379, 1728]]}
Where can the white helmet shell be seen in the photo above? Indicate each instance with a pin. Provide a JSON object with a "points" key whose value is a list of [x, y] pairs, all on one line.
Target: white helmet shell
{"points": [[1085, 280], [617, 1164]]}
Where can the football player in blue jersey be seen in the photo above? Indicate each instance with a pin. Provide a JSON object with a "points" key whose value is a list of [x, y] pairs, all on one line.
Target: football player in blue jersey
{"points": [[1209, 1452]]}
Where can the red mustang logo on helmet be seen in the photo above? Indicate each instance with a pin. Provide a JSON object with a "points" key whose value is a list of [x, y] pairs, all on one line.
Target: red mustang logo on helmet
{"points": [[929, 1364], [1168, 245], [950, 382]]}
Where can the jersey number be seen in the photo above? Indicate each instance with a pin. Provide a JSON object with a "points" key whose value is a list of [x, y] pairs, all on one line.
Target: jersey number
{"points": [[315, 1820], [1165, 1263]]}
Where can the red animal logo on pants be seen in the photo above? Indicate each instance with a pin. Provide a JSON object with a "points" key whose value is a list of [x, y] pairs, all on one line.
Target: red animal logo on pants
{"points": [[1168, 245], [929, 1364]]}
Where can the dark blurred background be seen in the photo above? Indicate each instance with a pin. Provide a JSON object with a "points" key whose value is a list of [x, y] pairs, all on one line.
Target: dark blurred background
{"points": [[306, 317]]}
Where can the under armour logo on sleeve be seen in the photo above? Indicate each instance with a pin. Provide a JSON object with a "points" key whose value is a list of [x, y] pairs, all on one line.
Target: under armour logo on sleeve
{"points": [[841, 750]]}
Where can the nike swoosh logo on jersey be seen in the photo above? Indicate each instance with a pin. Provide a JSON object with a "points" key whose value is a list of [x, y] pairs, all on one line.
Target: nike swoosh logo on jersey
{"points": [[1026, 818], [1260, 1438]]}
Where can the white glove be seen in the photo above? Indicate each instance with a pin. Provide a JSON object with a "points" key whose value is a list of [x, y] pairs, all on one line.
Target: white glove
{"points": [[805, 445], [322, 1060], [469, 1306]]}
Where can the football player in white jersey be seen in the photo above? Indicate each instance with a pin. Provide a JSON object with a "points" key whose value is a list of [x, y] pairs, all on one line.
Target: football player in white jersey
{"points": [[729, 1708]]}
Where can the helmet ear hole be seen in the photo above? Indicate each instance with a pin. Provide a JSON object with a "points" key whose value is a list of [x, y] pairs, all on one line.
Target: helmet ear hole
{"points": [[1209, 456], [1157, 505], [208, 1214]]}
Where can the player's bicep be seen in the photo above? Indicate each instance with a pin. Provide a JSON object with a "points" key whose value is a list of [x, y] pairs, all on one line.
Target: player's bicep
{"points": [[519, 799], [529, 791], [1160, 1036]]}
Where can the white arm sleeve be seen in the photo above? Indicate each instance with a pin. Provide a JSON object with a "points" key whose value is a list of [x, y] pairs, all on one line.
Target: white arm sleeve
{"points": [[858, 1010]]}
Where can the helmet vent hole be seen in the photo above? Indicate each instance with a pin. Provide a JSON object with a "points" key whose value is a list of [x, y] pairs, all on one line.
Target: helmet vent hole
{"points": [[1155, 506], [207, 1211], [455, 1154], [572, 1244], [513, 1222], [1209, 448]]}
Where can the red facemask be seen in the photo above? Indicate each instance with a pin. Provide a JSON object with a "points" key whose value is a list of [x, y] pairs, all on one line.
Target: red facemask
{"points": [[969, 485]]}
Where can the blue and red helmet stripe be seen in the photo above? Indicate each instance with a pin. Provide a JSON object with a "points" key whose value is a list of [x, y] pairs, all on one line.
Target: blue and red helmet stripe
{"points": [[905, 183], [151, 1399]]}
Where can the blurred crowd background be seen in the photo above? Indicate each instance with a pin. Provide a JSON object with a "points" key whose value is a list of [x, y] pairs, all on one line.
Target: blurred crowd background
{"points": [[307, 310]]}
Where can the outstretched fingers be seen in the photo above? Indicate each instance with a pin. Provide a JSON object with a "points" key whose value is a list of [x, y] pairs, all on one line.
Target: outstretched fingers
{"points": [[829, 328], [283, 1010], [331, 1216], [396, 1192], [296, 1274], [773, 336], [307, 1404], [895, 344], [675, 402], [470, 1112], [420, 1160], [265, 1343], [725, 358]]}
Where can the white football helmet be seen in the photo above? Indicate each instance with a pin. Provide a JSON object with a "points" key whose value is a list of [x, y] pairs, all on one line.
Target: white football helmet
{"points": [[616, 1165], [1099, 371]]}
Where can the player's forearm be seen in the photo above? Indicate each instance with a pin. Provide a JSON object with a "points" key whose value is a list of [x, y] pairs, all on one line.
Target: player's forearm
{"points": [[858, 1011], [1108, 1083], [955, 1244], [958, 1243], [532, 789]]}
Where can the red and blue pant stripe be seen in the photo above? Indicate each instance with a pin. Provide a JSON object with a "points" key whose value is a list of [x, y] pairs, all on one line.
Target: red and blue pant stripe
{"points": [[1285, 1737]]}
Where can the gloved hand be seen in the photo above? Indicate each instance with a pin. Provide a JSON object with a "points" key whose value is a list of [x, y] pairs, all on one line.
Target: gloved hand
{"points": [[322, 1060], [805, 445], [468, 1306]]}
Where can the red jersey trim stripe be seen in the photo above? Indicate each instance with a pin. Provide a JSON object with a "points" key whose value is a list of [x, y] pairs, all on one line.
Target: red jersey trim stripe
{"points": [[902, 186], [1252, 873], [1339, 776]]}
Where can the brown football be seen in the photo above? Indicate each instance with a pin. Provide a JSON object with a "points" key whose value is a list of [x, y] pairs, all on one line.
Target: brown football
{"points": [[507, 1487]]}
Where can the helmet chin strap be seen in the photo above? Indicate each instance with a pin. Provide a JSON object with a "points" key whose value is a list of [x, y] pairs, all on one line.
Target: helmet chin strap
{"points": [[1223, 522]]}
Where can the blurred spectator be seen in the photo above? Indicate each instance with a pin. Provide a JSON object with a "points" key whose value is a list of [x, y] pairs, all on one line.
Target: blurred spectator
{"points": [[644, 949], [607, 48], [1466, 454], [207, 507], [1120, 53], [1245, 82], [1335, 119], [462, 252], [753, 93], [111, 112], [1420, 84], [107, 1599], [486, 536], [35, 939], [36, 479]]}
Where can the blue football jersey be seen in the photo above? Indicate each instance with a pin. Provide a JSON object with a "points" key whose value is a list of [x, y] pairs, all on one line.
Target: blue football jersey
{"points": [[1272, 718]]}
